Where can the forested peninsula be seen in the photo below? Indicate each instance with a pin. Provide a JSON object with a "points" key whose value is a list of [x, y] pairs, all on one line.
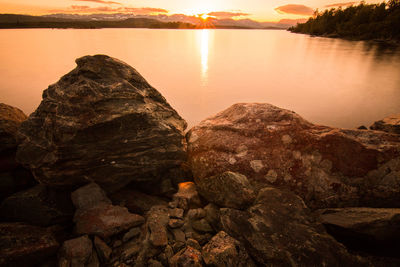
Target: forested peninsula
{"points": [[361, 22]]}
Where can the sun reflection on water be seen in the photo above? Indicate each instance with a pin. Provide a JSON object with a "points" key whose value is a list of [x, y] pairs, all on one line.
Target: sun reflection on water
{"points": [[205, 41]]}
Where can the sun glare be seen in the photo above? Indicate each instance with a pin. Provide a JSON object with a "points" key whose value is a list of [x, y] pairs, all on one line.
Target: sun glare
{"points": [[204, 16]]}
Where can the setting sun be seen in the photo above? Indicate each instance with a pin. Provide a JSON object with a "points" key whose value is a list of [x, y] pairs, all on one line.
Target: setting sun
{"points": [[204, 16]]}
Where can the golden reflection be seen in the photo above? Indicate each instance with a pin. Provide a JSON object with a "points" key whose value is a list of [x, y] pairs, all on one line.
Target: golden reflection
{"points": [[205, 41]]}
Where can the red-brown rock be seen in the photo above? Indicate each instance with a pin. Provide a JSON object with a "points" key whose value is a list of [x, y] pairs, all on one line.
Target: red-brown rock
{"points": [[326, 166]]}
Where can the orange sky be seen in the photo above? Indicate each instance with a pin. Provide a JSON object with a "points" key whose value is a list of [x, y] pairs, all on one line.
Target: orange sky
{"points": [[261, 10]]}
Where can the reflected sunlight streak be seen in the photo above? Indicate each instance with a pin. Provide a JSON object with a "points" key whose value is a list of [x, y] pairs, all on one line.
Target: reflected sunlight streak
{"points": [[205, 37]]}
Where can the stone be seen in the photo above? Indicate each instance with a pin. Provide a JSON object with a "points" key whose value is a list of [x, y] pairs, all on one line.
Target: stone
{"points": [[187, 196], [135, 201], [25, 245], [371, 229], [176, 213], [103, 250], [89, 196], [187, 257], [105, 220], [212, 215], [154, 263], [327, 167], [10, 120], [229, 189], [76, 252], [390, 124], [157, 221], [175, 223], [15, 180], [194, 214], [38, 205], [278, 230], [223, 250], [202, 226], [190, 242], [102, 122], [134, 232], [179, 235]]}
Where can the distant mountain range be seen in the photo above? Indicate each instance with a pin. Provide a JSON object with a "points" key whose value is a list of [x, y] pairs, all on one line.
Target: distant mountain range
{"points": [[122, 20]]}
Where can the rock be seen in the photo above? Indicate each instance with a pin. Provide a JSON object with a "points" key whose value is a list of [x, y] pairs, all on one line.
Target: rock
{"points": [[390, 124], [134, 232], [362, 127], [76, 252], [89, 196], [10, 120], [229, 189], [278, 231], [212, 215], [175, 223], [327, 167], [202, 226], [190, 242], [187, 196], [135, 201], [176, 213], [223, 250], [179, 235], [15, 180], [25, 245], [372, 229], [154, 263], [102, 122], [103, 250], [194, 214], [188, 257], [157, 221], [105, 220], [38, 205]]}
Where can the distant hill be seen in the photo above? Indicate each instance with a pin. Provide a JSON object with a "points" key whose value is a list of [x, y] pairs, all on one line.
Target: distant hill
{"points": [[361, 22]]}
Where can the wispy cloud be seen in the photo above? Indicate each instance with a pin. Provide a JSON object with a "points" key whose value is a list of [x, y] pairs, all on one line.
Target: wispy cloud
{"points": [[295, 9], [107, 9], [341, 4], [100, 2], [227, 15]]}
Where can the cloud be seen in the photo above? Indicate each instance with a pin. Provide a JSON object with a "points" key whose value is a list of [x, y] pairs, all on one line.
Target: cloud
{"points": [[88, 9], [100, 2], [341, 4], [227, 15], [295, 9]]}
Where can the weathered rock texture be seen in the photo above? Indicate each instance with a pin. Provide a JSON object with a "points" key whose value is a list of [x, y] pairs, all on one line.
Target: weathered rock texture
{"points": [[10, 120], [327, 167], [278, 231], [102, 122], [389, 124]]}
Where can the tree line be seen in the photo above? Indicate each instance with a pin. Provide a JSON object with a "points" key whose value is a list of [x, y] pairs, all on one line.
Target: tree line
{"points": [[362, 22]]}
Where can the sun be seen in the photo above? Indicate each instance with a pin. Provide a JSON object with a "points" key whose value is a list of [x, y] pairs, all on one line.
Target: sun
{"points": [[204, 16]]}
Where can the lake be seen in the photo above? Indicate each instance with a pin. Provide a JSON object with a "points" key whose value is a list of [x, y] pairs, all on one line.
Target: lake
{"points": [[201, 72]]}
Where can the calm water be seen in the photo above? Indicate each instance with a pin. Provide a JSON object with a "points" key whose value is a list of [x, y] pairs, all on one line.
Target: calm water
{"points": [[327, 81]]}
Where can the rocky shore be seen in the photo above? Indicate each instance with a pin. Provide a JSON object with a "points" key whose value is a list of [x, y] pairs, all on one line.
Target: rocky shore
{"points": [[103, 174]]}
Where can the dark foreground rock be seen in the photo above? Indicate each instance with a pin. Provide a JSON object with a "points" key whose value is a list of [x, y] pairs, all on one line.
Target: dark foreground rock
{"points": [[327, 167], [278, 231], [10, 120], [102, 122], [390, 124], [25, 245]]}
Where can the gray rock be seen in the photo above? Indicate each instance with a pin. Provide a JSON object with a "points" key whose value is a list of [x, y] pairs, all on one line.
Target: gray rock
{"points": [[25, 245], [89, 196], [390, 124], [229, 189], [327, 167], [76, 252], [157, 221], [278, 231], [223, 250], [102, 122]]}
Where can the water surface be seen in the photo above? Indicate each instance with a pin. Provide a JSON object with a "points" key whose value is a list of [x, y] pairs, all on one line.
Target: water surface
{"points": [[201, 72]]}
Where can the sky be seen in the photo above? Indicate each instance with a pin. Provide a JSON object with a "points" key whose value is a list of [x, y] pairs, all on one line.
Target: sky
{"points": [[260, 10]]}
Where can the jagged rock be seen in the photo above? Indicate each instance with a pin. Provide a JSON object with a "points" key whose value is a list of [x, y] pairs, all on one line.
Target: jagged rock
{"points": [[135, 201], [278, 231], [15, 180], [187, 196], [223, 250], [89, 196], [229, 189], [187, 257], [134, 232], [175, 223], [176, 213], [370, 229], [390, 124], [212, 215], [179, 235], [38, 205], [25, 245], [76, 252], [327, 167], [190, 242], [10, 120], [157, 221], [202, 226], [103, 250], [102, 122]]}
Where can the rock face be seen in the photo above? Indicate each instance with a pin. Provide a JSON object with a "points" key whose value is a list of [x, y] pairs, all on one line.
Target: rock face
{"points": [[389, 124], [25, 245], [10, 120], [370, 229], [102, 122], [327, 167], [278, 231]]}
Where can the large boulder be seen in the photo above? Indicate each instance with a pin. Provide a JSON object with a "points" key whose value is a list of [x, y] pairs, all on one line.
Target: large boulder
{"points": [[102, 122], [25, 245], [390, 124], [279, 231], [10, 120], [326, 166]]}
